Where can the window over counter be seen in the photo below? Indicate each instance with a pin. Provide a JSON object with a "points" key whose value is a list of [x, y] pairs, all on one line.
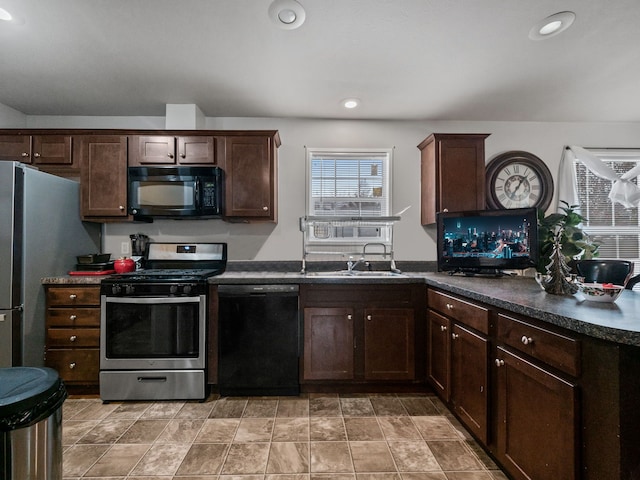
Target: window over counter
{"points": [[348, 183], [616, 226]]}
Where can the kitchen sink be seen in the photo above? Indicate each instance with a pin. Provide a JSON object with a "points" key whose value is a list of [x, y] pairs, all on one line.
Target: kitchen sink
{"points": [[355, 274]]}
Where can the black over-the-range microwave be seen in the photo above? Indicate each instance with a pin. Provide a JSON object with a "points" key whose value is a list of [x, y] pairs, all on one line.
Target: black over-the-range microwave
{"points": [[176, 192]]}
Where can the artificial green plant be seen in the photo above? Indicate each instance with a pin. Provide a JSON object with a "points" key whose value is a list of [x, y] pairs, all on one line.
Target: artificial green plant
{"points": [[564, 228]]}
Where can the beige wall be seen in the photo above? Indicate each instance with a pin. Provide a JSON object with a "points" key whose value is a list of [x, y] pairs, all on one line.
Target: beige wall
{"points": [[284, 240]]}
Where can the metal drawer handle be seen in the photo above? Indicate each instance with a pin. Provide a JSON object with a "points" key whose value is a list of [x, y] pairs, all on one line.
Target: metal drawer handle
{"points": [[37, 155], [72, 365], [368, 317], [526, 340], [454, 336], [72, 317], [443, 328], [170, 155], [152, 379], [349, 317], [449, 306], [73, 296], [499, 363], [265, 208], [73, 338], [25, 154]]}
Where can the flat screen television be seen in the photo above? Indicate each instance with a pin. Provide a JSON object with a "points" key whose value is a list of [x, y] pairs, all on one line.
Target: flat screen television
{"points": [[487, 241]]}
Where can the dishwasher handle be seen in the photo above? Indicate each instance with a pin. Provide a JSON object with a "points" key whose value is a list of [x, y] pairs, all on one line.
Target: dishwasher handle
{"points": [[257, 289]]}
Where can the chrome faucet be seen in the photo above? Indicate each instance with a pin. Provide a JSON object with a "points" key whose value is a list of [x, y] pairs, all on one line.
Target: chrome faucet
{"points": [[351, 264]]}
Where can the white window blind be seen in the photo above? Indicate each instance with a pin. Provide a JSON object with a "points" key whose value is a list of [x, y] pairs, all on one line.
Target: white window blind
{"points": [[349, 183], [616, 227]]}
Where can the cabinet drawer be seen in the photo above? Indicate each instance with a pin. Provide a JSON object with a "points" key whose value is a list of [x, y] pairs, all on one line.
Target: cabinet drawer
{"points": [[549, 347], [73, 337], [67, 296], [81, 365], [470, 314], [73, 317]]}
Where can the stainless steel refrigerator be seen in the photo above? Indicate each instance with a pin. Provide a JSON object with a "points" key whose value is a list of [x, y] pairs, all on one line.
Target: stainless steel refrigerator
{"points": [[40, 235]]}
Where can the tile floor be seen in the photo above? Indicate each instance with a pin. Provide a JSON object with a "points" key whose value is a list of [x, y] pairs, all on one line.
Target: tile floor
{"points": [[311, 437]]}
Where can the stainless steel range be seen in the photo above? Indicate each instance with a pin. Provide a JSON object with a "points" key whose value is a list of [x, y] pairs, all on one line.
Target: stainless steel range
{"points": [[154, 321]]}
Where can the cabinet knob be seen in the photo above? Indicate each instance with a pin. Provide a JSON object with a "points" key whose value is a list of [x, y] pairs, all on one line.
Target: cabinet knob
{"points": [[443, 328], [526, 340], [183, 155], [73, 317], [499, 363], [445, 210], [265, 208], [37, 155], [24, 154], [170, 155], [72, 365], [73, 338], [449, 306], [454, 336], [73, 296], [121, 207], [368, 317], [349, 317]]}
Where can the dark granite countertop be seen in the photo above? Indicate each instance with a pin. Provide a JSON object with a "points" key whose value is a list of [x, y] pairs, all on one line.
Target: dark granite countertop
{"points": [[616, 322]]}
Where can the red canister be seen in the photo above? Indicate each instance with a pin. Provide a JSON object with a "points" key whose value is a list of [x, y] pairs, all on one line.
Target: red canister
{"points": [[124, 265]]}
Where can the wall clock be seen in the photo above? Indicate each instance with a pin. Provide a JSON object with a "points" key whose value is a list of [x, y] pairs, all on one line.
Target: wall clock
{"points": [[518, 179]]}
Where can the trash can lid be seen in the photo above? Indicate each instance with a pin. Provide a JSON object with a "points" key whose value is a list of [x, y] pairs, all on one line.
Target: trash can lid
{"points": [[26, 393]]}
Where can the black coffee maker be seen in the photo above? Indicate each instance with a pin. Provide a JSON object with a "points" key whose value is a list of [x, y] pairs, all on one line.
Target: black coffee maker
{"points": [[138, 248]]}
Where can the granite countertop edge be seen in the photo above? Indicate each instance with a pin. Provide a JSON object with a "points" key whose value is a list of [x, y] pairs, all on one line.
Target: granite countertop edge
{"points": [[616, 322]]}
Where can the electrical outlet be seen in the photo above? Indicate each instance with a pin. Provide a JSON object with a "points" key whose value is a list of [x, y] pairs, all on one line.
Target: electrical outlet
{"points": [[124, 248]]}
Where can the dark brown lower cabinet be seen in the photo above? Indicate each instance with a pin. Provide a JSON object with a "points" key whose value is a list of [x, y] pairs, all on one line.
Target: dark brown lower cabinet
{"points": [[470, 379], [438, 353], [328, 344], [361, 334], [536, 426], [389, 350]]}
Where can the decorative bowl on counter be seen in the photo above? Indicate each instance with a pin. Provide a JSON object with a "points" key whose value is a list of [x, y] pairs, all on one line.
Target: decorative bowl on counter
{"points": [[600, 292]]}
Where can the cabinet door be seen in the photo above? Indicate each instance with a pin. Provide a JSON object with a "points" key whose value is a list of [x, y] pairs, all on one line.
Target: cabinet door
{"points": [[197, 150], [389, 344], [470, 379], [452, 174], [537, 420], [52, 150], [16, 148], [328, 344], [104, 176], [438, 353], [152, 150], [250, 177]]}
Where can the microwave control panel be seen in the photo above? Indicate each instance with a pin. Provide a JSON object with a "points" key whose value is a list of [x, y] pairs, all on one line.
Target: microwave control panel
{"points": [[209, 194]]}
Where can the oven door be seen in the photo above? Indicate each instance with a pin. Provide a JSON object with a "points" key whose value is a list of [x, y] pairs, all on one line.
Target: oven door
{"points": [[152, 333]]}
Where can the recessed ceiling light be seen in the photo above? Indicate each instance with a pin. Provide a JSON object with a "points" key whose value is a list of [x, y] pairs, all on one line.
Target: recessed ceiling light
{"points": [[552, 25], [4, 15], [287, 14], [350, 103]]}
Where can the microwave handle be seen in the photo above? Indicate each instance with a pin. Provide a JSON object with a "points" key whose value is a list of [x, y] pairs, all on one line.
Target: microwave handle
{"points": [[197, 192]]}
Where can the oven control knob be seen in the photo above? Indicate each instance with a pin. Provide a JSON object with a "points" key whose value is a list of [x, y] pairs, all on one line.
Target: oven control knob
{"points": [[187, 289], [129, 289], [173, 289], [115, 289]]}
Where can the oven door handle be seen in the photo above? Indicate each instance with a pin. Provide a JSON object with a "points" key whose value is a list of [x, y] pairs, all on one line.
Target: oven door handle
{"points": [[152, 379], [153, 300]]}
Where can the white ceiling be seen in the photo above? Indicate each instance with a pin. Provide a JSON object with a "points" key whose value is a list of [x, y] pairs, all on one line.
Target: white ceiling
{"points": [[405, 59]]}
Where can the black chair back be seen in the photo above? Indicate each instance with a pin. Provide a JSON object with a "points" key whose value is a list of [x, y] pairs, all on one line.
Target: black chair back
{"points": [[617, 272]]}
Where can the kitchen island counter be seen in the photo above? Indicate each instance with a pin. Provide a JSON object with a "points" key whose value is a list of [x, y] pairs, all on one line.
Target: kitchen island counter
{"points": [[617, 322]]}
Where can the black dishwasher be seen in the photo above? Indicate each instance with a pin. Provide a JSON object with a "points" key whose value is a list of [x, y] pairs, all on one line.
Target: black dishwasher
{"points": [[259, 339]]}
